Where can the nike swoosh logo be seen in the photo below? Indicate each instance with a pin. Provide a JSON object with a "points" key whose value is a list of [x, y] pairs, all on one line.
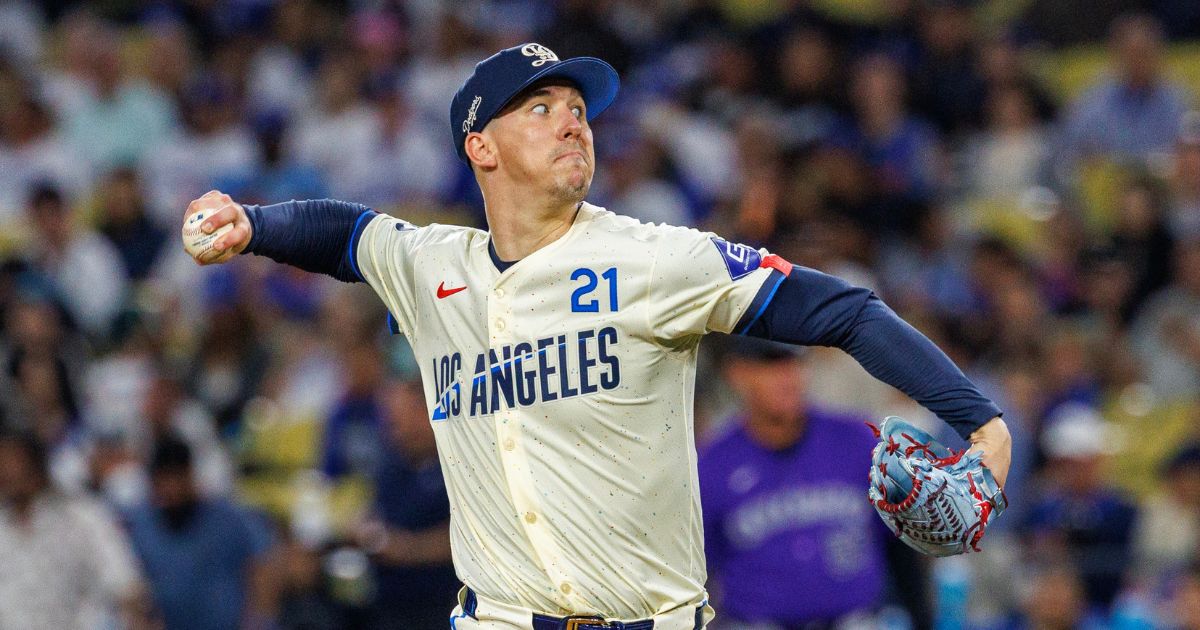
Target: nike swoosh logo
{"points": [[443, 292]]}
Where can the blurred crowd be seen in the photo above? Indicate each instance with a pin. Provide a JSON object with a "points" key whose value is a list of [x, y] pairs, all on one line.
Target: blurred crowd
{"points": [[246, 446]]}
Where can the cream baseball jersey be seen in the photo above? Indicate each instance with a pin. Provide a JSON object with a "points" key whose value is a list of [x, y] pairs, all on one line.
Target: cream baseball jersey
{"points": [[560, 391]]}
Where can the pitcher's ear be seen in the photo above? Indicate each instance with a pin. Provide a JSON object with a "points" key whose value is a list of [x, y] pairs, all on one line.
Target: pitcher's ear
{"points": [[481, 150]]}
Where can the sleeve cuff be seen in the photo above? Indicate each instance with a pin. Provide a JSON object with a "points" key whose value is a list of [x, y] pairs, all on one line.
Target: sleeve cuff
{"points": [[979, 416], [252, 215], [364, 219], [761, 301]]}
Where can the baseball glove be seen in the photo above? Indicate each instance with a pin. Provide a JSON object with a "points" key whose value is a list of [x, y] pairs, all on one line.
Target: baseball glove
{"points": [[937, 501]]}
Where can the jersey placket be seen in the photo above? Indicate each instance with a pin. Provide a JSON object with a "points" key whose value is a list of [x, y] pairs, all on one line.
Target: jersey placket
{"points": [[512, 443]]}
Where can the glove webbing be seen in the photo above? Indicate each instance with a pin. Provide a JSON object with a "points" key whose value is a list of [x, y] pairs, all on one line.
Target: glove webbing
{"points": [[975, 532]]}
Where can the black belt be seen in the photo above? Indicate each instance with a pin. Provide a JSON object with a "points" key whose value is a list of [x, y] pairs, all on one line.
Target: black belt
{"points": [[545, 622], [575, 622]]}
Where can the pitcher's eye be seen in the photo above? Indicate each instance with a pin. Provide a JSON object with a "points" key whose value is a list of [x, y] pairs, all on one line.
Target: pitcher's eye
{"points": [[541, 108]]}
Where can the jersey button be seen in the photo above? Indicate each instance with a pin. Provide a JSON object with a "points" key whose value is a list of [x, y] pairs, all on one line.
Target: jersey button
{"points": [[499, 324], [530, 518], [510, 444], [499, 292], [565, 588]]}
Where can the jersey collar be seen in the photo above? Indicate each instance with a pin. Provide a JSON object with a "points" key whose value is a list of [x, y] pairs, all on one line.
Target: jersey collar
{"points": [[504, 265]]}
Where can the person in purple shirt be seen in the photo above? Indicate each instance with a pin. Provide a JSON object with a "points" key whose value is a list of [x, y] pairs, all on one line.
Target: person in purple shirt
{"points": [[791, 540]]}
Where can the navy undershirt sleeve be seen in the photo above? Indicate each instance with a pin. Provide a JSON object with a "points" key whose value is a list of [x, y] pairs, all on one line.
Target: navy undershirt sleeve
{"points": [[812, 308], [319, 235]]}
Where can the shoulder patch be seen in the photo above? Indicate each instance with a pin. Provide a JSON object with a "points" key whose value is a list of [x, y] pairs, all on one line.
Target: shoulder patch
{"points": [[739, 259]]}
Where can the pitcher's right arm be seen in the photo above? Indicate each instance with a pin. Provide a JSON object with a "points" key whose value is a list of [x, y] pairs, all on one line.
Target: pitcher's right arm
{"points": [[316, 235]]}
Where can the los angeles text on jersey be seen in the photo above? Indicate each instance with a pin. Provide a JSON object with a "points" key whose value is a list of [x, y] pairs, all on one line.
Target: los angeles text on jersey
{"points": [[527, 373]]}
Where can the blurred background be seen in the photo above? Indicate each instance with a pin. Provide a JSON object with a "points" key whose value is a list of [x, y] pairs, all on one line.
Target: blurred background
{"points": [[246, 446]]}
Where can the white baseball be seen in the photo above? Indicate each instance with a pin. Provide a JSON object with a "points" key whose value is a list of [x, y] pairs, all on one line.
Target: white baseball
{"points": [[195, 241]]}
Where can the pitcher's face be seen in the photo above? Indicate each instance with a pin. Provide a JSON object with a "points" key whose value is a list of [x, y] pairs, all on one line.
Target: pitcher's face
{"points": [[543, 138]]}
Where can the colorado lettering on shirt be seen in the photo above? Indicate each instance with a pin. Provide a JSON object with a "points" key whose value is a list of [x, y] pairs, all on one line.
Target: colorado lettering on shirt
{"points": [[527, 373], [768, 515]]}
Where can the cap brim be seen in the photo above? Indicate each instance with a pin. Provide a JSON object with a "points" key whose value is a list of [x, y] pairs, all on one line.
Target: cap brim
{"points": [[597, 81]]}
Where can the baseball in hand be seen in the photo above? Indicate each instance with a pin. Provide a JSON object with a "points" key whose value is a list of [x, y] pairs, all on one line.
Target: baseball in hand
{"points": [[195, 241]]}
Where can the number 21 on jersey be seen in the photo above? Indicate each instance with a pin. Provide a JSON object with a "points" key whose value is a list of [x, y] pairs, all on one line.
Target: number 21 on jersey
{"points": [[585, 299]]}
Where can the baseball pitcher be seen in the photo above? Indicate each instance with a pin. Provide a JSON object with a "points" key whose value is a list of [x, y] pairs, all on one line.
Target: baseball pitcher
{"points": [[558, 354]]}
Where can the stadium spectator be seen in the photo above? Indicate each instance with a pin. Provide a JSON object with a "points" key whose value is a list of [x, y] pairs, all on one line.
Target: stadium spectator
{"points": [[212, 143], [206, 559], [806, 87], [788, 538], [929, 273], [1142, 238], [42, 380], [1058, 249], [1054, 598], [33, 153], [275, 173], [123, 219], [353, 441], [1068, 376], [279, 77], [1166, 333], [67, 565], [1003, 64], [171, 57], [306, 598], [899, 151], [169, 412], [1020, 314], [110, 118], [1106, 295], [85, 269], [401, 162], [407, 533], [228, 373], [635, 180], [1012, 154], [756, 214], [1167, 537], [1184, 203], [1137, 112], [446, 49], [583, 26], [1079, 519], [331, 135], [947, 86]]}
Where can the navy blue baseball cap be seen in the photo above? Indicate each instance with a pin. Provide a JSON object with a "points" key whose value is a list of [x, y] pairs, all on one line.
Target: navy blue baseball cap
{"points": [[502, 76]]}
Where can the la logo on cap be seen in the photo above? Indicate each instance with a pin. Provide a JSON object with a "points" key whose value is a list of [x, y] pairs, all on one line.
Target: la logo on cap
{"points": [[544, 55]]}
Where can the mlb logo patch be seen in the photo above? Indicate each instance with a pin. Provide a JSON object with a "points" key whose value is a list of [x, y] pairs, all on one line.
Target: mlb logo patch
{"points": [[739, 259]]}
